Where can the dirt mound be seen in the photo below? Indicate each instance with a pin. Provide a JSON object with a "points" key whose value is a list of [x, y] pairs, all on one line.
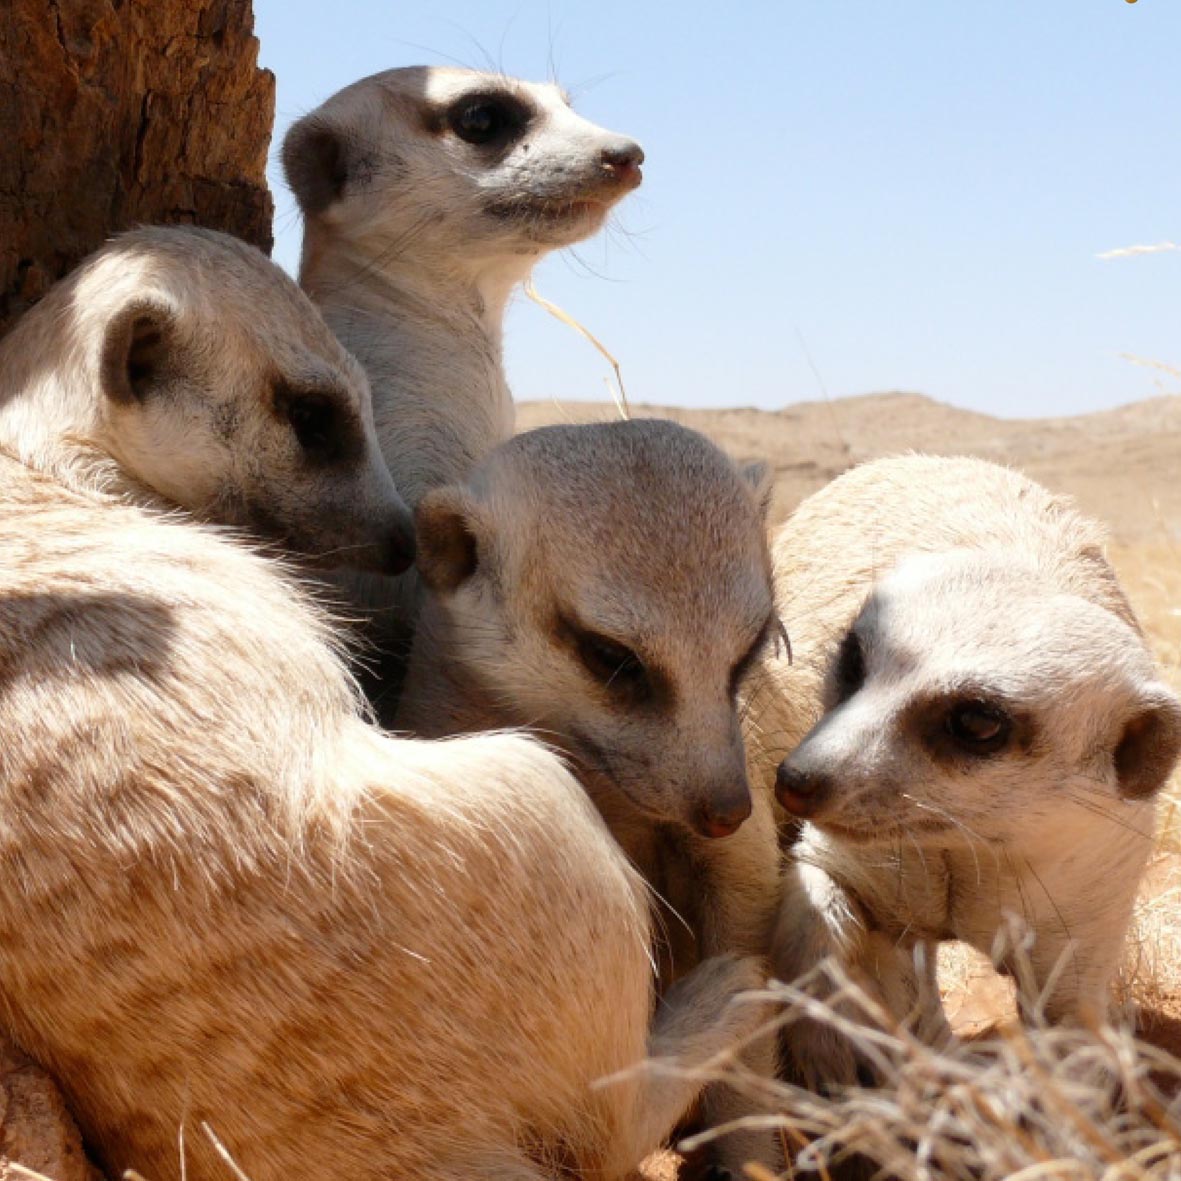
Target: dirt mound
{"points": [[36, 1133]]}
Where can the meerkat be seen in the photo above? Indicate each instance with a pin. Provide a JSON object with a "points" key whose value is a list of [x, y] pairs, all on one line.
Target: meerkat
{"points": [[608, 587], [428, 195], [973, 729], [181, 365], [236, 914]]}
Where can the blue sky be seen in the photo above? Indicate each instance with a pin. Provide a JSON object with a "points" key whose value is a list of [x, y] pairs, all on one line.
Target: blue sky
{"points": [[912, 193]]}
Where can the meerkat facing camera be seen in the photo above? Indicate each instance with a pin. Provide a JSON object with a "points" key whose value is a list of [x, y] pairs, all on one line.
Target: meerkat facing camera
{"points": [[428, 196], [973, 729], [608, 587]]}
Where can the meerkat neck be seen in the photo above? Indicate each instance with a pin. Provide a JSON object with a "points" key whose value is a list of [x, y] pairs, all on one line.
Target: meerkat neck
{"points": [[441, 697], [431, 346], [471, 295]]}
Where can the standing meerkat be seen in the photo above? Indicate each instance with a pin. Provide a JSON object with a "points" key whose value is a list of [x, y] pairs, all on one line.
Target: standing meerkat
{"points": [[184, 362], [428, 195], [973, 728], [227, 900], [608, 586]]}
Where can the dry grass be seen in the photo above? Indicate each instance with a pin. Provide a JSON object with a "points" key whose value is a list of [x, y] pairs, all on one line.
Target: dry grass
{"points": [[1071, 1104]]}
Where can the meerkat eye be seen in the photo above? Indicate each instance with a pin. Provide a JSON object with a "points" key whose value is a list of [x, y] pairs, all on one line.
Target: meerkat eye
{"points": [[486, 120], [314, 418], [610, 662], [850, 670], [978, 727]]}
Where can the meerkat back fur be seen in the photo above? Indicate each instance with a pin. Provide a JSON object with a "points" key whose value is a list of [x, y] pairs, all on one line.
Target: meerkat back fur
{"points": [[228, 901], [973, 729], [428, 195], [608, 586], [181, 366]]}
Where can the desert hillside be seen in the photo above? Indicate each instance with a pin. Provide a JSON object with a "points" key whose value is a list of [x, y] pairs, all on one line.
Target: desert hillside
{"points": [[1122, 466]]}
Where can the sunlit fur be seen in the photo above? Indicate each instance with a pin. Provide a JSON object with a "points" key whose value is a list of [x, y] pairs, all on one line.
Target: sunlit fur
{"points": [[227, 899], [203, 431], [412, 266], [959, 578], [643, 532]]}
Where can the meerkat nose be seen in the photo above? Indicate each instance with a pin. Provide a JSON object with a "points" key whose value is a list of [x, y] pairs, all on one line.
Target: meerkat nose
{"points": [[800, 792], [715, 822], [622, 160]]}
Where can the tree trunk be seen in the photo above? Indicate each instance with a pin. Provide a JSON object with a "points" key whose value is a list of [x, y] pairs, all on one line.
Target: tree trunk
{"points": [[120, 112]]}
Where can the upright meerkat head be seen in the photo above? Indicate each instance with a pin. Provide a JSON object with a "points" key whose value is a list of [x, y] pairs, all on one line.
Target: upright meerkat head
{"points": [[211, 380], [452, 169], [972, 701], [609, 586]]}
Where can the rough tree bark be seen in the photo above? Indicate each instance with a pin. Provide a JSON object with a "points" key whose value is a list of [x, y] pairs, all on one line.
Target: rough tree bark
{"points": [[118, 112], [113, 113]]}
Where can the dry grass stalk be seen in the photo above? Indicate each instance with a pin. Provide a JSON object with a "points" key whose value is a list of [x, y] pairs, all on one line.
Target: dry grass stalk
{"points": [[1066, 1104], [618, 393]]}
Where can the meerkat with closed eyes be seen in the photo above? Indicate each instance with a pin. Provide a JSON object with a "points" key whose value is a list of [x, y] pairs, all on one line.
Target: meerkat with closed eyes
{"points": [[428, 196], [608, 587], [973, 729], [180, 367]]}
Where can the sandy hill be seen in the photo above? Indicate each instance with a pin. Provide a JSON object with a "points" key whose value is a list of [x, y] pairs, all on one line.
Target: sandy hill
{"points": [[1123, 465]]}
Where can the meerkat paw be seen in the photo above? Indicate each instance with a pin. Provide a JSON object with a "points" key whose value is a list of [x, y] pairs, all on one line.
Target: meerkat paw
{"points": [[700, 1016], [818, 1057]]}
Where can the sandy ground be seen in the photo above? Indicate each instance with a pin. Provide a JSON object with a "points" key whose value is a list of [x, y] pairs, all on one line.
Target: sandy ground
{"points": [[1122, 466]]}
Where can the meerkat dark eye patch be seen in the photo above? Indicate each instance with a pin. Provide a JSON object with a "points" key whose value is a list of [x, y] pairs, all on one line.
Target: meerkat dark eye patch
{"points": [[740, 670], [849, 670], [959, 728], [487, 120], [979, 727], [326, 430], [613, 665]]}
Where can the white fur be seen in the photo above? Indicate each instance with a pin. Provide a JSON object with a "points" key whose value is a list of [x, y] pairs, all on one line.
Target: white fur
{"points": [[227, 899], [412, 265], [214, 337], [960, 581]]}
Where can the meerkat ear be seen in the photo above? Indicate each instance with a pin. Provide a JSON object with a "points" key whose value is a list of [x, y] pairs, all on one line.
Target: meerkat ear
{"points": [[1150, 745], [448, 531], [761, 478], [316, 162], [138, 346]]}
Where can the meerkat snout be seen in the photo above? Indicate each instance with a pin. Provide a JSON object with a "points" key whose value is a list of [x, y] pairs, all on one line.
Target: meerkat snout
{"points": [[622, 162], [725, 810], [800, 791]]}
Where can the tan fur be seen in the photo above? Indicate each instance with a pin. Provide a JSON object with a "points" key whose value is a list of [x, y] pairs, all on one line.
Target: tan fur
{"points": [[171, 362], [226, 899], [414, 241], [963, 584], [643, 537]]}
